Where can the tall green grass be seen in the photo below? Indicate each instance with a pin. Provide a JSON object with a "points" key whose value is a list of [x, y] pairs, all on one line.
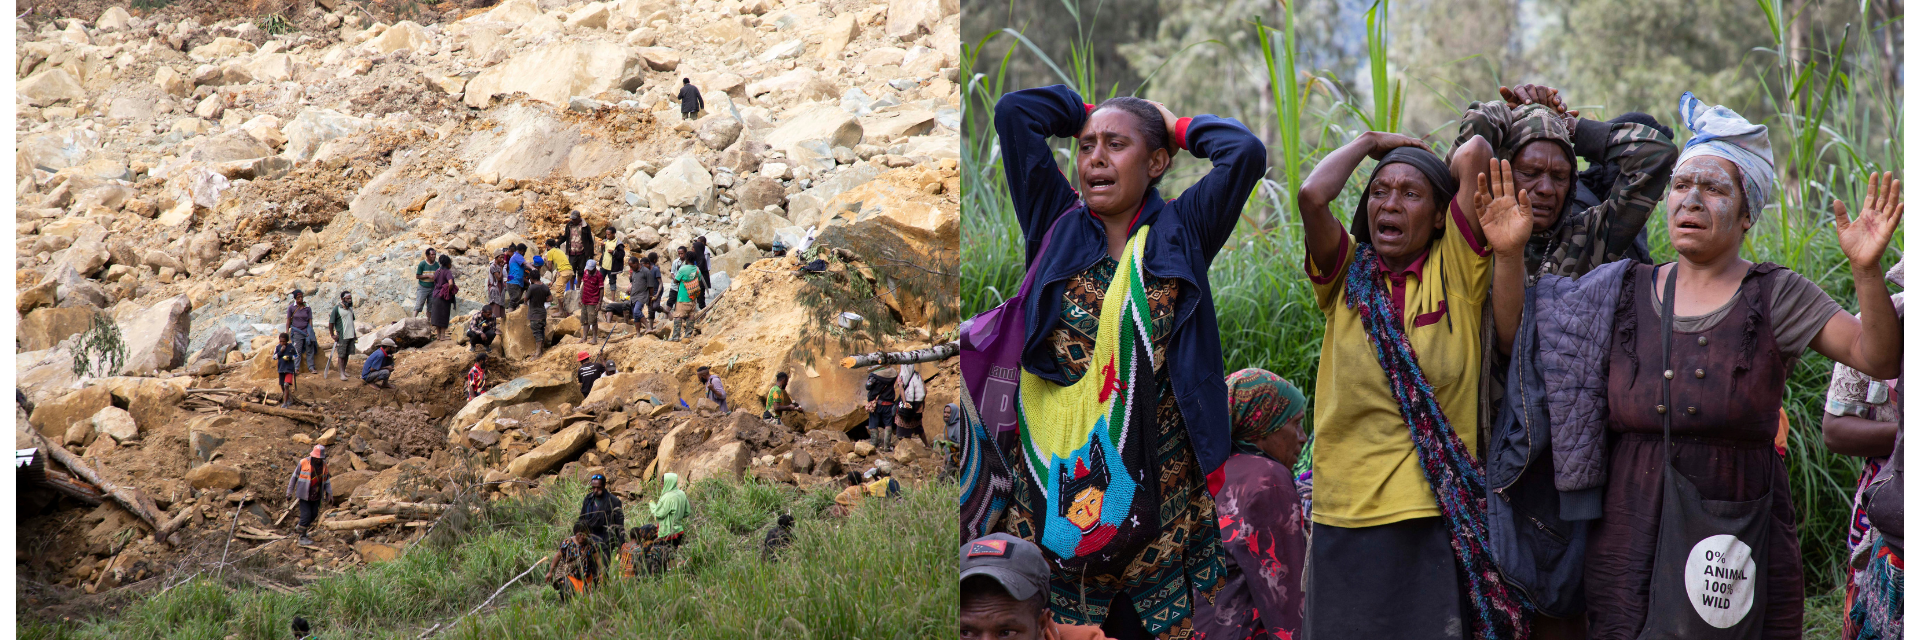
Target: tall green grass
{"points": [[1820, 121], [885, 572]]}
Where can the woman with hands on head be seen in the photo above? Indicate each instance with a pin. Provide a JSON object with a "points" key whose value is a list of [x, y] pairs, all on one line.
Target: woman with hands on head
{"points": [[1121, 316], [1399, 534], [1737, 330]]}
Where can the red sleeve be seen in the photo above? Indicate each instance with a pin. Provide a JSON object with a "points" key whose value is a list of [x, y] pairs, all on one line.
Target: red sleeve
{"points": [[1180, 132], [1474, 241]]}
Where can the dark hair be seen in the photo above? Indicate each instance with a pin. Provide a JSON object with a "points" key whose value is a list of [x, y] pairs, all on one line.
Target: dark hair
{"points": [[1153, 128], [580, 526], [686, 81], [284, 337], [446, 262], [853, 478], [653, 257], [300, 627], [984, 586], [703, 369], [785, 521], [649, 530], [781, 376], [634, 534], [430, 250]]}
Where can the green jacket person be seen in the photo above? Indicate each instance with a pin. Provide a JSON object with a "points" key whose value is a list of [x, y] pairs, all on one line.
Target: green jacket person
{"points": [[671, 508]]}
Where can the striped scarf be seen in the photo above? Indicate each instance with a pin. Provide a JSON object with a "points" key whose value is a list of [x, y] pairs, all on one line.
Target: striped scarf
{"points": [[1458, 481]]}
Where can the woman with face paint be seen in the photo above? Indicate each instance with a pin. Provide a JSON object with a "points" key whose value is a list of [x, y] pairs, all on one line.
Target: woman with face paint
{"points": [[1695, 536], [1123, 406], [1399, 533]]}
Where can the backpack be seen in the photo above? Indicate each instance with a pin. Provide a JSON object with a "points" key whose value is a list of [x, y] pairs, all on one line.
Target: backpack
{"points": [[447, 291]]}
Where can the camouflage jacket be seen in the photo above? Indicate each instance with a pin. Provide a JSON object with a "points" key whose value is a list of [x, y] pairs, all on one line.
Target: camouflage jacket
{"points": [[1589, 233]]}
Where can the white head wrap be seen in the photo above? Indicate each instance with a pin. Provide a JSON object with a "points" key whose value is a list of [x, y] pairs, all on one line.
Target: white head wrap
{"points": [[1719, 132]]}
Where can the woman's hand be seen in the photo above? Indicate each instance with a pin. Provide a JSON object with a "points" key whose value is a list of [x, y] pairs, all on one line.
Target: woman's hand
{"points": [[1864, 239], [1384, 142], [1538, 94], [1505, 212], [1166, 114]]}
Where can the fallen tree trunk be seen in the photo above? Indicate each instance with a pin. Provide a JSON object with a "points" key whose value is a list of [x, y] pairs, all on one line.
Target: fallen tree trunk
{"points": [[934, 353], [415, 509], [73, 488], [290, 414], [134, 501], [363, 523]]}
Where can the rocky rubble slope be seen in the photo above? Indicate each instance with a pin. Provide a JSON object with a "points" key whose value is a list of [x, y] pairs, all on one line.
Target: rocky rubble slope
{"points": [[180, 179]]}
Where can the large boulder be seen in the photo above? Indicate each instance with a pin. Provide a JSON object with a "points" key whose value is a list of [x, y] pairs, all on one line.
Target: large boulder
{"points": [[52, 417], [733, 261], [683, 183], [620, 389], [229, 146], [157, 338], [800, 84], [757, 225], [113, 19], [46, 327], [759, 193], [151, 401], [215, 476], [839, 33], [826, 123], [217, 345], [908, 17], [57, 149], [52, 86], [517, 337], [727, 460], [406, 333], [512, 12], [592, 16], [115, 423], [314, 127], [275, 67], [885, 128], [660, 58], [404, 35], [512, 392], [558, 448], [718, 131], [86, 256], [557, 72], [221, 47]]}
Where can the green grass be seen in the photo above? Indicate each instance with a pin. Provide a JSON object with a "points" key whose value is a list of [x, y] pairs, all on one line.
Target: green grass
{"points": [[883, 573], [1268, 319]]}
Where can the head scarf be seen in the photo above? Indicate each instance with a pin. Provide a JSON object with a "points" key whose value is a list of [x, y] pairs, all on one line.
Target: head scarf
{"points": [[1260, 403], [1719, 132], [1423, 160], [1533, 122]]}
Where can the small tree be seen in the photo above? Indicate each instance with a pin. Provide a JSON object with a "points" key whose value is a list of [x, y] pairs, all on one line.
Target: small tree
{"points": [[99, 353], [873, 271]]}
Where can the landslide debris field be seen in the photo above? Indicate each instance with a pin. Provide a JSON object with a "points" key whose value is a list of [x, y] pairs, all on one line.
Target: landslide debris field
{"points": [[182, 169]]}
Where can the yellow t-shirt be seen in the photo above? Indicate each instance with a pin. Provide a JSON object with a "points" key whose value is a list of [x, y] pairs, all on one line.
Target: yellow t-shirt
{"points": [[1365, 471], [558, 259]]}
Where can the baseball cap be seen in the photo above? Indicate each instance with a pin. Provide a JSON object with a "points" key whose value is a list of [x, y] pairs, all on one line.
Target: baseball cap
{"points": [[1014, 563], [583, 356]]}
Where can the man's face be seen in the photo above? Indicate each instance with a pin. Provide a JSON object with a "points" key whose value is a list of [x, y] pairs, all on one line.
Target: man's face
{"points": [[599, 483], [702, 375], [431, 255], [998, 616], [1544, 171]]}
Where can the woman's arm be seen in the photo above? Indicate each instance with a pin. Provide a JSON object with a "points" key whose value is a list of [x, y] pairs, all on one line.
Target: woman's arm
{"points": [[1024, 120], [1857, 436], [1505, 215], [1212, 206], [1470, 161], [1870, 344], [1324, 235]]}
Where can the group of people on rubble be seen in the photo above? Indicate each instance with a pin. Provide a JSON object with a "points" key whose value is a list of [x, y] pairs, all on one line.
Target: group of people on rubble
{"points": [[1522, 427], [601, 546]]}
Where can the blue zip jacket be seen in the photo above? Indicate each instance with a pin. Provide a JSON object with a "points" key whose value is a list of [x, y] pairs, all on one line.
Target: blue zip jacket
{"points": [[1187, 233], [517, 270]]}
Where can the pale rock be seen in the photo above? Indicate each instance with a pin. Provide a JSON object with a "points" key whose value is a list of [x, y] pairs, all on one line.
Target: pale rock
{"points": [[404, 35], [883, 56], [113, 19], [57, 149], [776, 171], [273, 67], [557, 72], [49, 87], [800, 84], [682, 183], [889, 127], [512, 12], [788, 49], [758, 225], [834, 40], [314, 127], [75, 34], [130, 108], [266, 129], [171, 81], [557, 449], [660, 58], [592, 16], [221, 47], [157, 338], [733, 261], [211, 107], [908, 17], [718, 131], [824, 123], [115, 423], [215, 476], [227, 147]]}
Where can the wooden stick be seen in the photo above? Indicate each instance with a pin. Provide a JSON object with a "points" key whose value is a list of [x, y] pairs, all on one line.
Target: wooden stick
{"points": [[73, 487], [363, 523], [489, 600], [416, 509], [934, 353], [128, 498], [291, 414]]}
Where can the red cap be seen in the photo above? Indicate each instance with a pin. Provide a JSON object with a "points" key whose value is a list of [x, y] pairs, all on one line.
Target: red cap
{"points": [[583, 355]]}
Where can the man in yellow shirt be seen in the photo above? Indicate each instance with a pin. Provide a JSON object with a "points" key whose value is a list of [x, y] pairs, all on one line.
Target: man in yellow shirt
{"points": [[1383, 546], [562, 269]]}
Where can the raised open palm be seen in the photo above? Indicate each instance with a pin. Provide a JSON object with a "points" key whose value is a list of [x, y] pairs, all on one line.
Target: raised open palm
{"points": [[1864, 239], [1506, 212]]}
